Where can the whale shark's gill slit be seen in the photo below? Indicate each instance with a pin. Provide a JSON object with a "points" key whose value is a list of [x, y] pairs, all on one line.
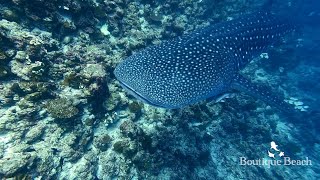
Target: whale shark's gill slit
{"points": [[138, 96]]}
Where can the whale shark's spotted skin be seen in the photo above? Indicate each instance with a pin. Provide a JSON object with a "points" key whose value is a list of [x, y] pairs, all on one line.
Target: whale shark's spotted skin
{"points": [[202, 64]]}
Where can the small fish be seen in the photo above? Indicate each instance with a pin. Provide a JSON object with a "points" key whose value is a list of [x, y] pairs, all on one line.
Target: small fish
{"points": [[204, 63]]}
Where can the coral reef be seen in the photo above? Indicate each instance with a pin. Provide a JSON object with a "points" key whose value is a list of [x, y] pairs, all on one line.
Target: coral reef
{"points": [[63, 115], [61, 108]]}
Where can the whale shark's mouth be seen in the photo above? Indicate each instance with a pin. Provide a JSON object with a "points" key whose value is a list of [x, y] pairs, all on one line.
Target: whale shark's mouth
{"points": [[138, 95]]}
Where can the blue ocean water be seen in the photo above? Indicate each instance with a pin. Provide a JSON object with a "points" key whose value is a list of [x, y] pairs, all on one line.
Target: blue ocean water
{"points": [[65, 114]]}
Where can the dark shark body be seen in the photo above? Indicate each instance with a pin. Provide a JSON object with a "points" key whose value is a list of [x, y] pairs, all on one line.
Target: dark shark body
{"points": [[204, 63]]}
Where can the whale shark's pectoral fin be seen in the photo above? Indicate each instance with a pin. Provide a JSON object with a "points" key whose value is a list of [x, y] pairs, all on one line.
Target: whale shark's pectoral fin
{"points": [[221, 97], [263, 93]]}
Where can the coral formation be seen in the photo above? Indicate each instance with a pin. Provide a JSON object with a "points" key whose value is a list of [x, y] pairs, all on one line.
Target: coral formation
{"points": [[63, 115], [61, 108]]}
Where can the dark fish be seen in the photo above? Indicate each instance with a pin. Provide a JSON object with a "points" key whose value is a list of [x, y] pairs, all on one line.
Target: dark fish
{"points": [[204, 63]]}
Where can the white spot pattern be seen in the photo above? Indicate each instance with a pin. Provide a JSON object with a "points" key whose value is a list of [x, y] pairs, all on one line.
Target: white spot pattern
{"points": [[198, 65]]}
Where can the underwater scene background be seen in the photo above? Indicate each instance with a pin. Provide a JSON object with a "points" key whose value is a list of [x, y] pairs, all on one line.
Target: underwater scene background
{"points": [[63, 114]]}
